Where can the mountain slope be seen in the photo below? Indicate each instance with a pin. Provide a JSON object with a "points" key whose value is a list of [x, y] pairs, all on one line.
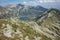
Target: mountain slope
{"points": [[50, 24], [47, 27]]}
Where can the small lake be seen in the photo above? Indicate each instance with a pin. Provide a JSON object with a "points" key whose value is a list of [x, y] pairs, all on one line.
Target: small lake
{"points": [[24, 18]]}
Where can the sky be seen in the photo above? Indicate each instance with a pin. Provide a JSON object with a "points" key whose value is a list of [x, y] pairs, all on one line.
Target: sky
{"points": [[44, 3]]}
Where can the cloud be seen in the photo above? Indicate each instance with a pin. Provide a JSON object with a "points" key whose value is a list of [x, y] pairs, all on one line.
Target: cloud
{"points": [[46, 1], [38, 2], [32, 3]]}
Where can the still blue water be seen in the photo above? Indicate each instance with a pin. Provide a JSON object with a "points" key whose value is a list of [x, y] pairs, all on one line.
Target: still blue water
{"points": [[24, 18]]}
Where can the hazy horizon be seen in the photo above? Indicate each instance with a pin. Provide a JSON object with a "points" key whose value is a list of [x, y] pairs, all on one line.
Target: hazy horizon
{"points": [[44, 3]]}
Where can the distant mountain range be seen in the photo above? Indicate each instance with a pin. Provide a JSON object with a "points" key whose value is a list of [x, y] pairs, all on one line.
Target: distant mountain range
{"points": [[24, 12], [20, 11]]}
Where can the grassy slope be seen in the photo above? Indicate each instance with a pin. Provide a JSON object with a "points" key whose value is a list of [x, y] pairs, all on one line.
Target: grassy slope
{"points": [[25, 28]]}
